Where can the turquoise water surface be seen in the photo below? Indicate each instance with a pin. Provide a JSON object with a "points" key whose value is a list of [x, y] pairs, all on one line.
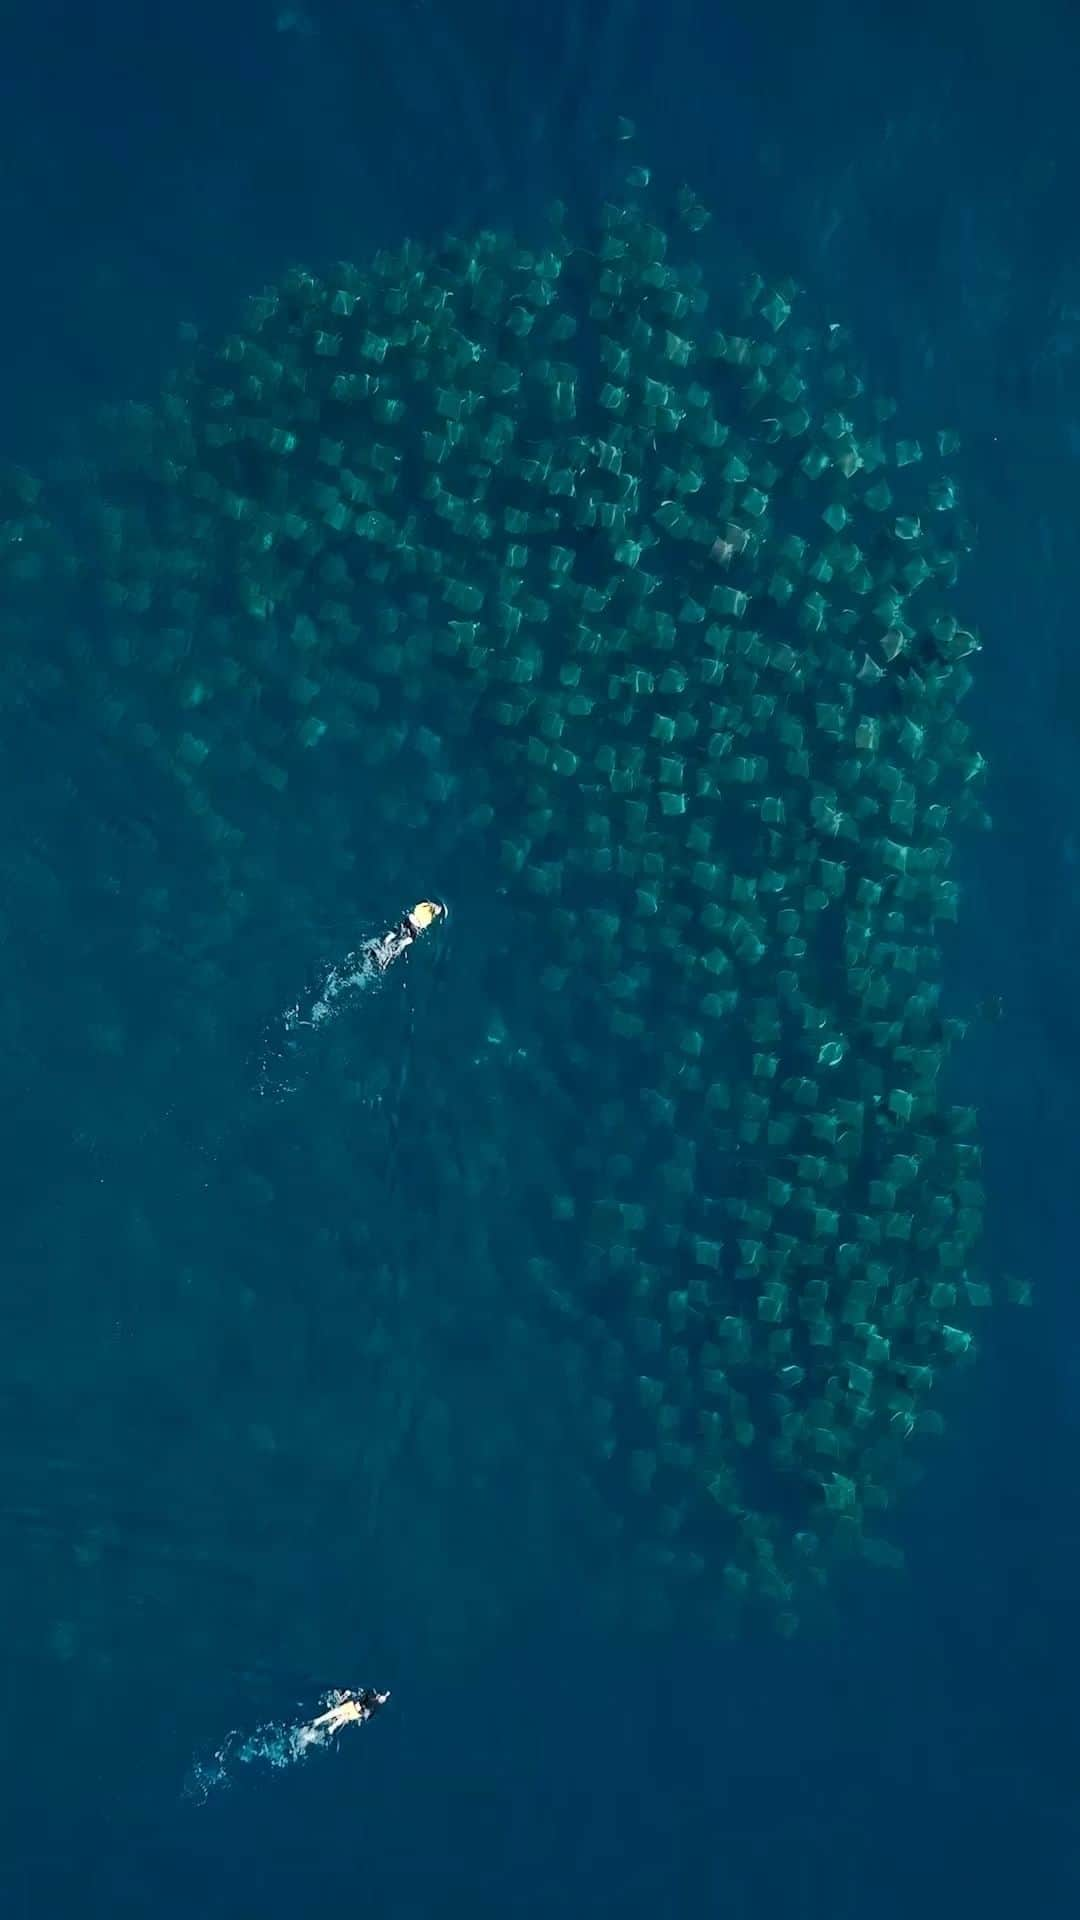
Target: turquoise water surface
{"points": [[569, 1326]]}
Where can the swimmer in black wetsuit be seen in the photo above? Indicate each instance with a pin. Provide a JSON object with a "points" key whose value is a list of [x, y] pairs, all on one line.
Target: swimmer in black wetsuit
{"points": [[388, 946], [362, 968]]}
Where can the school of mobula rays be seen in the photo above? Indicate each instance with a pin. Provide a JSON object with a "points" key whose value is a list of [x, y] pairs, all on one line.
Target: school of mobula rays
{"points": [[680, 600]]}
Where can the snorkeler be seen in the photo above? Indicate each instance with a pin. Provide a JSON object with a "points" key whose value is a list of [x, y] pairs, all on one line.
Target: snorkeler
{"points": [[344, 1708], [388, 946], [360, 971], [280, 1744]]}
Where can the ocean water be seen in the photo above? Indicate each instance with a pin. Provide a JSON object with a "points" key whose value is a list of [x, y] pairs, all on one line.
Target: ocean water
{"points": [[278, 1414]]}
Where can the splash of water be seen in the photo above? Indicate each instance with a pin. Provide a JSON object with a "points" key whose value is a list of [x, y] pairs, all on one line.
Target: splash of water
{"points": [[274, 1745], [335, 992]]}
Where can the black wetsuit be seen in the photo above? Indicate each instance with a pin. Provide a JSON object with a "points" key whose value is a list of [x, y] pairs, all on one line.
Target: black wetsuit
{"points": [[386, 949]]}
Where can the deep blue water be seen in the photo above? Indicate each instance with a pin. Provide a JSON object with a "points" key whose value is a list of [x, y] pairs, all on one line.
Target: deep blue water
{"points": [[183, 1550]]}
